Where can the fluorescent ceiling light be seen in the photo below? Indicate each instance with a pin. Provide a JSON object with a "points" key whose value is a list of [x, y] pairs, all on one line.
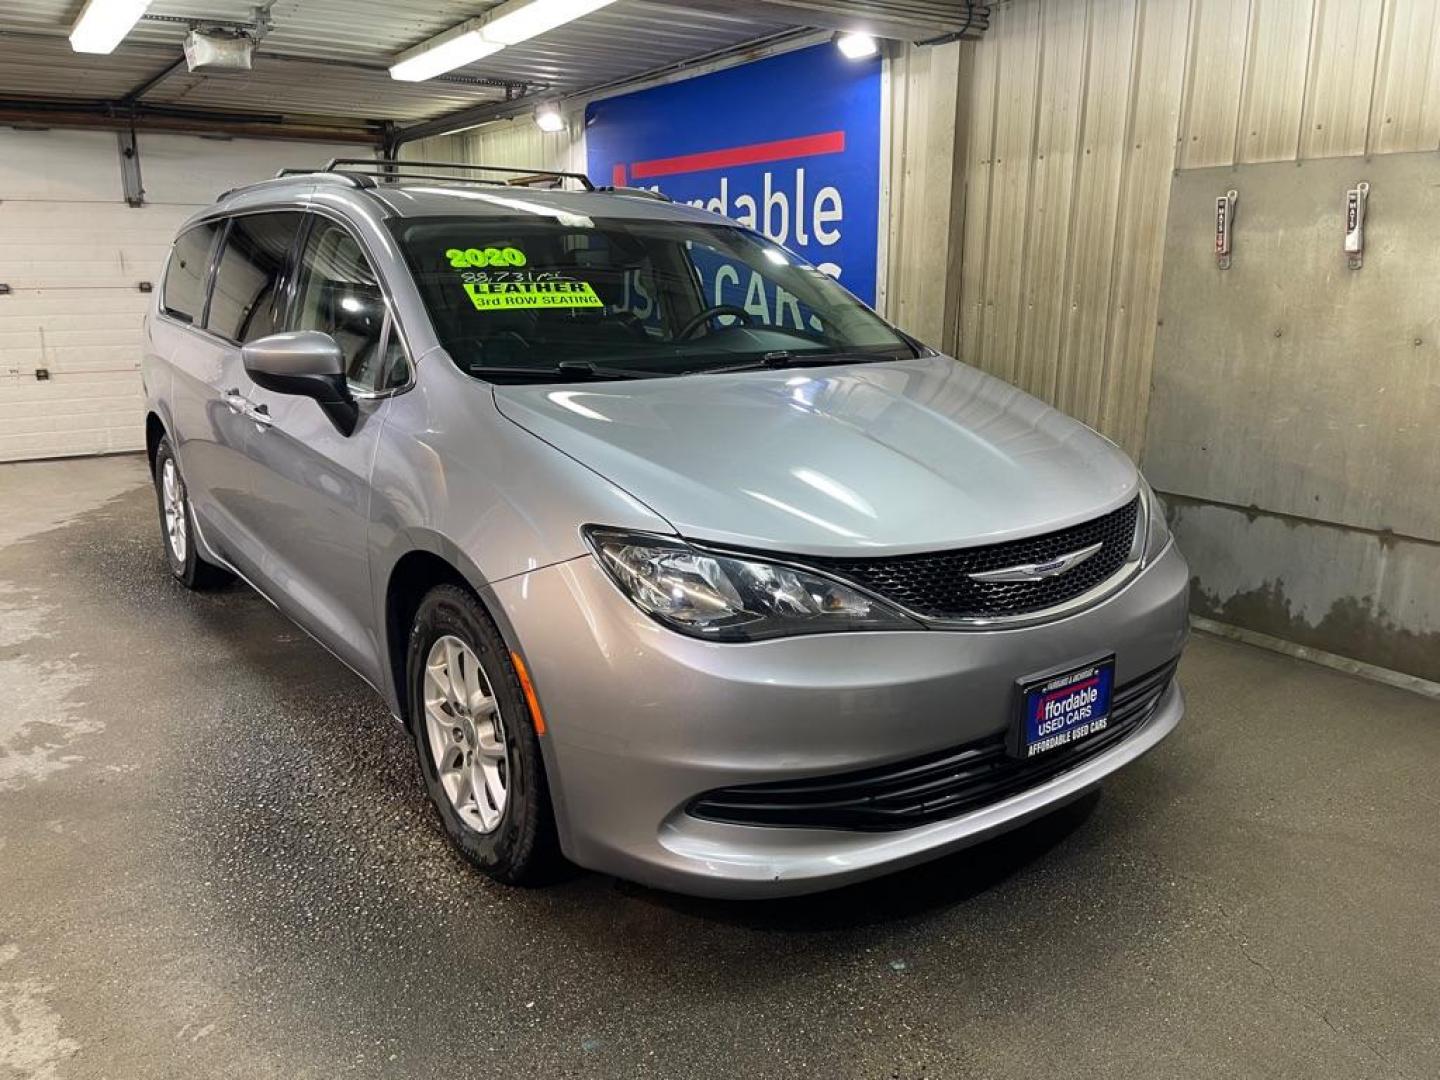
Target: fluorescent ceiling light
{"points": [[437, 57], [548, 118], [856, 46], [103, 24], [520, 20], [508, 24]]}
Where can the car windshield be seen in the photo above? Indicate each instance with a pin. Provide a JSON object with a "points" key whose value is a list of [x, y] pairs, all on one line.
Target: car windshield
{"points": [[551, 297]]}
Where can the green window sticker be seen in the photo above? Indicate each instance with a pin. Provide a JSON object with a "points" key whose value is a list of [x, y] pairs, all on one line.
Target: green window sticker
{"points": [[501, 295], [464, 258]]}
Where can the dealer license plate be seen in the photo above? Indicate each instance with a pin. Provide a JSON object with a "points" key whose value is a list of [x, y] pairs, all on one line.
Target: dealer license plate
{"points": [[1065, 708]]}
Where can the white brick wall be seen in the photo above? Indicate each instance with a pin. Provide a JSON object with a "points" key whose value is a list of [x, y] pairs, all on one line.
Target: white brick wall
{"points": [[74, 255]]}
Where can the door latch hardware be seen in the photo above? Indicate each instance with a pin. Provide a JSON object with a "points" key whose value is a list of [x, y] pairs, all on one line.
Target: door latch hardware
{"points": [[1224, 218], [42, 374], [1355, 200]]}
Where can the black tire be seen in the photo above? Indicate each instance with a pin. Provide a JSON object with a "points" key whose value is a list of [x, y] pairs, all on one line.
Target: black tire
{"points": [[188, 567], [522, 849]]}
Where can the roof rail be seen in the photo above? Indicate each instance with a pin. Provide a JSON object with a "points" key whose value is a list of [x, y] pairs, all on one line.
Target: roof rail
{"points": [[637, 192], [353, 181], [365, 171]]}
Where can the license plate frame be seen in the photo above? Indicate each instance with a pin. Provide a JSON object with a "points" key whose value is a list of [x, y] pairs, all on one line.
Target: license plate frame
{"points": [[1035, 736]]}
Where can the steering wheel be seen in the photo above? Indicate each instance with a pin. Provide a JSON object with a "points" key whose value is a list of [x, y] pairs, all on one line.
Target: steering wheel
{"points": [[701, 318]]}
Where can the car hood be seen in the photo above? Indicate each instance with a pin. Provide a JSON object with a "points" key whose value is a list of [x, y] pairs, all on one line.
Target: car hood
{"points": [[879, 458]]}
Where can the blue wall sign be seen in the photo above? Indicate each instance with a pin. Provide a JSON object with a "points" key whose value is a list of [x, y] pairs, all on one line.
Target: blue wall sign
{"points": [[789, 146]]}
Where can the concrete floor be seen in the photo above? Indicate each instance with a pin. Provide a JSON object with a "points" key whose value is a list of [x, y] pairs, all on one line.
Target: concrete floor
{"points": [[216, 861]]}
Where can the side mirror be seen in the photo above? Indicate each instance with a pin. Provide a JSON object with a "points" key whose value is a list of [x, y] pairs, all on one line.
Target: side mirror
{"points": [[306, 363]]}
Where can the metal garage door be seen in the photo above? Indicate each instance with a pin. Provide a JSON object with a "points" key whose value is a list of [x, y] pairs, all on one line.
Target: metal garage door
{"points": [[75, 260]]}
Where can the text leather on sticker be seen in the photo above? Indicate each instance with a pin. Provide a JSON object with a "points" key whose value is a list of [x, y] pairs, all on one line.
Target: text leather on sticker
{"points": [[496, 295]]}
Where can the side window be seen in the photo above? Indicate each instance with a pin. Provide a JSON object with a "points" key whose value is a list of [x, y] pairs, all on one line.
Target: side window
{"points": [[339, 294], [396, 369], [183, 294], [243, 303]]}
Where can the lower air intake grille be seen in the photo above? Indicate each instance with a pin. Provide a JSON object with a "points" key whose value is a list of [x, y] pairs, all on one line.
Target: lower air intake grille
{"points": [[924, 789], [937, 584]]}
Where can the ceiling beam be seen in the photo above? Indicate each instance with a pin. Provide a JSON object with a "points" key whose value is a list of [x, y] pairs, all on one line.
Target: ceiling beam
{"points": [[468, 117], [52, 113]]}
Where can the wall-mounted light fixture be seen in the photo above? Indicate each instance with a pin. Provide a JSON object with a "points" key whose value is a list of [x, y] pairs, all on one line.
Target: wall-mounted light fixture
{"points": [[856, 46], [548, 118]]}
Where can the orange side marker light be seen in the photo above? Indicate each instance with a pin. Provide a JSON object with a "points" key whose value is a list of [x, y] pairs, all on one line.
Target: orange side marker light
{"points": [[529, 689]]}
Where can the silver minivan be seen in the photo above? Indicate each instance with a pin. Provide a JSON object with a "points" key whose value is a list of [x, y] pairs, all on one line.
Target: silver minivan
{"points": [[674, 559]]}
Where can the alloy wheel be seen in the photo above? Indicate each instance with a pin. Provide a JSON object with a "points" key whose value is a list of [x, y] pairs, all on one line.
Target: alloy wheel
{"points": [[172, 494], [466, 734]]}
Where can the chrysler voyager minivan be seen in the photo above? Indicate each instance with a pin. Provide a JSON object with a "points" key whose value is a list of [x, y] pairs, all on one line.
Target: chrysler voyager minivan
{"points": [[672, 557]]}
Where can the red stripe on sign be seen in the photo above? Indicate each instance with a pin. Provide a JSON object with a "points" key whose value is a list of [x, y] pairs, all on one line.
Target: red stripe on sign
{"points": [[829, 142], [617, 176]]}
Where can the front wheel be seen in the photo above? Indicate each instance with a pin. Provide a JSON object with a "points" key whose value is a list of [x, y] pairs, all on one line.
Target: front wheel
{"points": [[177, 523], [476, 740]]}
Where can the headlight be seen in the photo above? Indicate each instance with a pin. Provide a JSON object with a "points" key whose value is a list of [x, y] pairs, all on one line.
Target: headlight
{"points": [[1157, 529], [726, 598]]}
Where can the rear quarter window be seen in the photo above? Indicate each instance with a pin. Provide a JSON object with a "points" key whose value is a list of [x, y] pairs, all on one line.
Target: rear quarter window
{"points": [[183, 294]]}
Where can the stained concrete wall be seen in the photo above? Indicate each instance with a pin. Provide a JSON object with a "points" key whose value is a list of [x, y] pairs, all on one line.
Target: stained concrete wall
{"points": [[1295, 410]]}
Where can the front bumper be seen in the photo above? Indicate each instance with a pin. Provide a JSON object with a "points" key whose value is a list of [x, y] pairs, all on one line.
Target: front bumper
{"points": [[641, 720]]}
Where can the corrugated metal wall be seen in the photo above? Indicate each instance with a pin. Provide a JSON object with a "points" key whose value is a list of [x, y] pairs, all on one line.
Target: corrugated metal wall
{"points": [[510, 142], [925, 124], [1079, 112]]}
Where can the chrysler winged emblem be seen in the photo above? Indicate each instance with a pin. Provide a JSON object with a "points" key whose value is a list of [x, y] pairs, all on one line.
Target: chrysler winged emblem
{"points": [[1040, 570]]}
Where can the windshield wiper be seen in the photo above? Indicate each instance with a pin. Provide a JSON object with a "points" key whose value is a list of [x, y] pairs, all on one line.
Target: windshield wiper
{"points": [[784, 358], [566, 370]]}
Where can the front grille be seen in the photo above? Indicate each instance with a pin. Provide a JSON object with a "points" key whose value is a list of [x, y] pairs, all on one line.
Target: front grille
{"points": [[925, 789], [937, 584]]}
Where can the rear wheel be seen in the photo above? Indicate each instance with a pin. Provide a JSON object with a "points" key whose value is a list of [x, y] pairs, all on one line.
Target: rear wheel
{"points": [[479, 753], [177, 524]]}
